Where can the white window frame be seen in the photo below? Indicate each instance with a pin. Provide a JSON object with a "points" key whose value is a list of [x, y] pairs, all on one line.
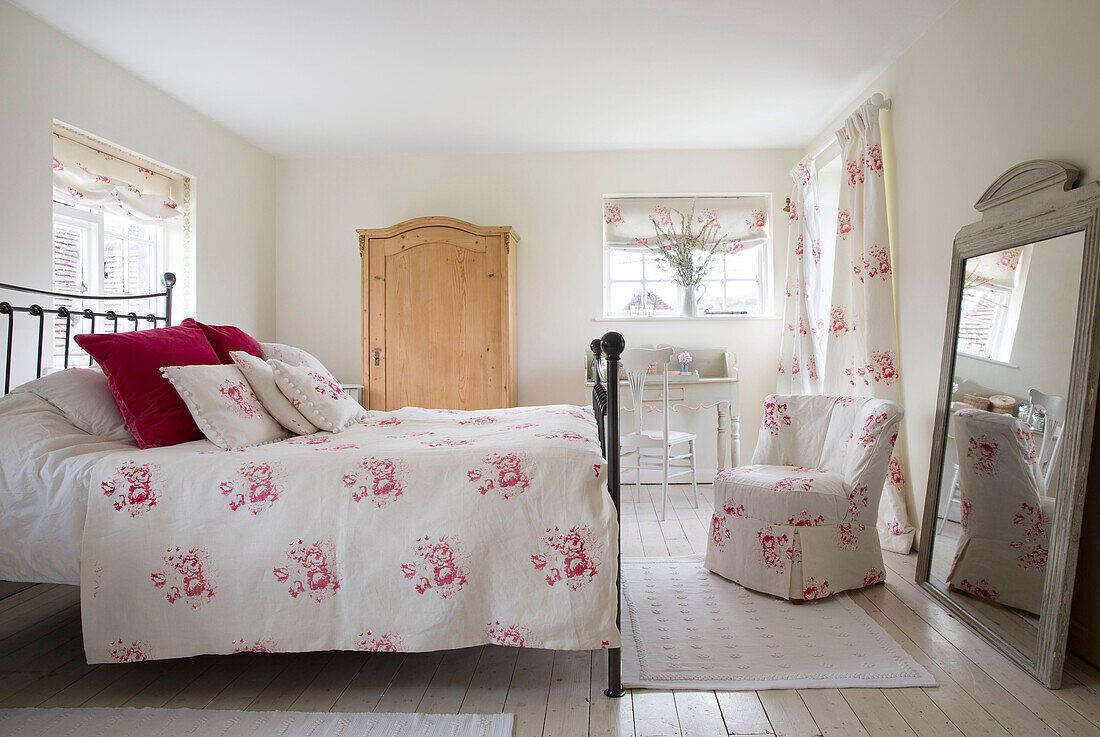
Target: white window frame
{"points": [[764, 282]]}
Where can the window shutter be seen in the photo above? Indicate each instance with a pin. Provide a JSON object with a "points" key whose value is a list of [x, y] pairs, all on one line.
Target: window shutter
{"points": [[70, 244]]}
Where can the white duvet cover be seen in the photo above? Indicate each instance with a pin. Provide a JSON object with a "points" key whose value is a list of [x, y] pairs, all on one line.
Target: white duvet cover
{"points": [[45, 468], [413, 530]]}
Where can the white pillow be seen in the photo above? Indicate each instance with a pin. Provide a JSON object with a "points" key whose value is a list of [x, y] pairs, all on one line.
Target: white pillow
{"points": [[318, 396], [224, 406], [262, 380], [85, 398], [292, 356]]}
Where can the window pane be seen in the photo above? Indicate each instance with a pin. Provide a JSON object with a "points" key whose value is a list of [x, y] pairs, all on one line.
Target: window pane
{"points": [[114, 263], [140, 268], [623, 294], [711, 296], [981, 316], [70, 252], [625, 264], [743, 264], [656, 267], [664, 296], [742, 295], [70, 248]]}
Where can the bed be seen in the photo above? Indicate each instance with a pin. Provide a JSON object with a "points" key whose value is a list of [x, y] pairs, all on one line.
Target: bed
{"points": [[412, 530]]}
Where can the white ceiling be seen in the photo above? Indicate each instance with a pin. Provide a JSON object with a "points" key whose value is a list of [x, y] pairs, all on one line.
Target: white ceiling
{"points": [[341, 77]]}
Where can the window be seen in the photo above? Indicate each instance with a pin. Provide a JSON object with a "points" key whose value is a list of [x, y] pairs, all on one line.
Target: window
{"points": [[992, 295], [828, 202], [120, 222], [639, 280], [982, 319], [98, 252]]}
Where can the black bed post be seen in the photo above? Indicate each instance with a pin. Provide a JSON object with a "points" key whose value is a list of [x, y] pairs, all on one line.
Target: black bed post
{"points": [[613, 345], [169, 280]]}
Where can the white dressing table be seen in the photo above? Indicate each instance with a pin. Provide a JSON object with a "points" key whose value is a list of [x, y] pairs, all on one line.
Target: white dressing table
{"points": [[706, 404]]}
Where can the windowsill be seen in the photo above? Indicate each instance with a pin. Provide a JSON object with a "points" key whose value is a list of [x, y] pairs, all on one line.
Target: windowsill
{"points": [[685, 318], [983, 359]]}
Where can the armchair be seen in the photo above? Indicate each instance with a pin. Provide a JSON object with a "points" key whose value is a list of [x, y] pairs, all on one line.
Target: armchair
{"points": [[800, 522], [1002, 553]]}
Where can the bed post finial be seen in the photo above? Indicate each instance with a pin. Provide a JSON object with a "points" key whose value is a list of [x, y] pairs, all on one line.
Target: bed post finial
{"points": [[613, 344], [169, 280]]}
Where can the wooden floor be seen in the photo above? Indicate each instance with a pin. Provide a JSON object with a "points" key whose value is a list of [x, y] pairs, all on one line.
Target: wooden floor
{"points": [[559, 693]]}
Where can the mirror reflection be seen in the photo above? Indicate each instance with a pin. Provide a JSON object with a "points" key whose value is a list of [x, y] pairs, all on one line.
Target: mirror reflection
{"points": [[996, 498]]}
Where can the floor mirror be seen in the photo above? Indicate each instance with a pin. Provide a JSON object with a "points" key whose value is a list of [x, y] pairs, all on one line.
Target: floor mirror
{"points": [[1015, 414]]}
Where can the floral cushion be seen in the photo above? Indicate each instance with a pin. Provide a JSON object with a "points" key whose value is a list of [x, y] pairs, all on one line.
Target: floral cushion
{"points": [[262, 380], [224, 406], [318, 396], [292, 356], [791, 494]]}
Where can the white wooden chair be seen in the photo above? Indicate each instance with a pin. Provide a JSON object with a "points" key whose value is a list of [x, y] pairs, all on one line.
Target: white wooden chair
{"points": [[1055, 408], [652, 449]]}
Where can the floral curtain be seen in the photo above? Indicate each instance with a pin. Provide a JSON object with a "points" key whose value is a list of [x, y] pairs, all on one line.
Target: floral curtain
{"points": [[802, 348], [82, 174], [862, 342]]}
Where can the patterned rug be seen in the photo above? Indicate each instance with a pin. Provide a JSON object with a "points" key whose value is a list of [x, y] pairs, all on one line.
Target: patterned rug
{"points": [[687, 628], [192, 722]]}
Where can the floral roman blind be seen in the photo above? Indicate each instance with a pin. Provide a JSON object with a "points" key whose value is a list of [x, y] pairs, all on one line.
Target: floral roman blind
{"points": [[94, 178], [1002, 269], [628, 221]]}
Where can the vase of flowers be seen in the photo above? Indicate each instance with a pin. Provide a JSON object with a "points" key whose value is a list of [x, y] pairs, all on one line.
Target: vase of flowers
{"points": [[686, 251], [685, 362]]}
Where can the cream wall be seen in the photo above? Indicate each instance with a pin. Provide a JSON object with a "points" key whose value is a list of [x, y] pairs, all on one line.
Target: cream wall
{"points": [[992, 83], [46, 76], [554, 203]]}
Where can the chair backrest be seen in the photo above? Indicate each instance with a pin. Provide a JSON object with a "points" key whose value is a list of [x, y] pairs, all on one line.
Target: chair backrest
{"points": [[636, 363], [1055, 408], [999, 479], [847, 435]]}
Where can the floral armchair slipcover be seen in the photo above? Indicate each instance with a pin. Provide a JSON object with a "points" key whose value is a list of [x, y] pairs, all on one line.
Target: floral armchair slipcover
{"points": [[800, 522], [1002, 553]]}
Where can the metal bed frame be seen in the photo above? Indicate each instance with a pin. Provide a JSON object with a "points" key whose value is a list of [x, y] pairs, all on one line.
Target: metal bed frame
{"points": [[40, 312], [605, 397], [605, 405]]}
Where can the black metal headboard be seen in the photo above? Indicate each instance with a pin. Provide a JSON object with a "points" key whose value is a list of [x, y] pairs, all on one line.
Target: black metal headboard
{"points": [[88, 314]]}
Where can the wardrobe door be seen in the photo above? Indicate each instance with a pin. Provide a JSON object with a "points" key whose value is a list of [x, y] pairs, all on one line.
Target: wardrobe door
{"points": [[436, 337]]}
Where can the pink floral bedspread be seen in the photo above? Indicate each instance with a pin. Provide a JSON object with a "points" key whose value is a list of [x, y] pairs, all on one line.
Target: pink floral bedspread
{"points": [[414, 530]]}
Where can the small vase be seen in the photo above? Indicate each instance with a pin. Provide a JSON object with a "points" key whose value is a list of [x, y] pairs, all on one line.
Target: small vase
{"points": [[689, 304], [685, 368]]}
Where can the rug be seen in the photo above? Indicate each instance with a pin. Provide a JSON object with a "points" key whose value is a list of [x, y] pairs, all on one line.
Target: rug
{"points": [[687, 628], [213, 723]]}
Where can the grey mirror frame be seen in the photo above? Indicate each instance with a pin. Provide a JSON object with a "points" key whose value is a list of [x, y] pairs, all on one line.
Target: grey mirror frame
{"points": [[1031, 202]]}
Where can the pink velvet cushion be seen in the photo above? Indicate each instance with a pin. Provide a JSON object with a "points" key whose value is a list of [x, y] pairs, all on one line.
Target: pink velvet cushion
{"points": [[151, 407], [226, 338]]}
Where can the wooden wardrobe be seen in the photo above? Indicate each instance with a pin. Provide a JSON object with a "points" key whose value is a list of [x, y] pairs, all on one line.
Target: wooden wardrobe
{"points": [[439, 315]]}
